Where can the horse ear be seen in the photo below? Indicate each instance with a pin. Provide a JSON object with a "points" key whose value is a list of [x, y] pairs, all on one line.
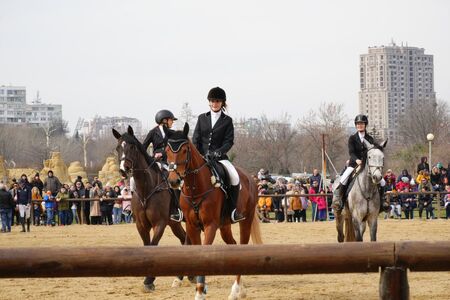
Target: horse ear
{"points": [[384, 143], [116, 134], [367, 144], [186, 129], [130, 130]]}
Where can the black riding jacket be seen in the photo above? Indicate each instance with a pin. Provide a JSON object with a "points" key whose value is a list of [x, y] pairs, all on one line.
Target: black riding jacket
{"points": [[219, 138]]}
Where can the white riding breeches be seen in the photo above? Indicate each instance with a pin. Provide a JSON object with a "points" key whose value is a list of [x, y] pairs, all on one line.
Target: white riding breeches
{"points": [[25, 211], [231, 171], [132, 184], [344, 178]]}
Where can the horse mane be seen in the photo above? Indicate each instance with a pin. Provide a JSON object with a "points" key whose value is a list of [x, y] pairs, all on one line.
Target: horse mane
{"points": [[131, 139]]}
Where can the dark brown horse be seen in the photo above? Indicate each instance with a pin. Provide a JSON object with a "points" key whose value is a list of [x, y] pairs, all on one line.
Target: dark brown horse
{"points": [[151, 198], [202, 203]]}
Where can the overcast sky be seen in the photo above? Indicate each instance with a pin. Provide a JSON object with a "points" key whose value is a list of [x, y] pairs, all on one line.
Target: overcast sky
{"points": [[132, 58]]}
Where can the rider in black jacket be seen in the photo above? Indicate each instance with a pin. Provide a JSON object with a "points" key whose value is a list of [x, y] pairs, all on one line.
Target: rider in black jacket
{"points": [[158, 137], [358, 154], [214, 137]]}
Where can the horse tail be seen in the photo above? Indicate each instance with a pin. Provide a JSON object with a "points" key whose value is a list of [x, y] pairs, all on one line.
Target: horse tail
{"points": [[255, 231], [349, 230]]}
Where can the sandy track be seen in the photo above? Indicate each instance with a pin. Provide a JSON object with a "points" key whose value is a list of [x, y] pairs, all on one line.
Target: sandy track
{"points": [[341, 286]]}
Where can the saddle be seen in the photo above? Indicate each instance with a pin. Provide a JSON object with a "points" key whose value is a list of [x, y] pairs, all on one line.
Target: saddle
{"points": [[352, 180], [220, 179]]}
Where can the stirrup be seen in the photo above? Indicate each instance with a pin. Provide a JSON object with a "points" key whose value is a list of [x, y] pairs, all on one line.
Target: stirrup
{"points": [[235, 217], [178, 217]]}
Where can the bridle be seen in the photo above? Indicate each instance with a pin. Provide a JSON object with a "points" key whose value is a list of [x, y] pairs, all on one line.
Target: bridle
{"points": [[175, 146], [131, 160], [374, 164]]}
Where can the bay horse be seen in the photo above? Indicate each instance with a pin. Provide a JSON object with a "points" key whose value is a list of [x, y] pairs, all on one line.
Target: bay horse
{"points": [[150, 202], [363, 202], [202, 203]]}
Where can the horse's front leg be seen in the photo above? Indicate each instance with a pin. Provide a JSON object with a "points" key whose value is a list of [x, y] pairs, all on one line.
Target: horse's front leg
{"points": [[158, 231], [193, 236], [373, 225], [210, 234], [237, 289]]}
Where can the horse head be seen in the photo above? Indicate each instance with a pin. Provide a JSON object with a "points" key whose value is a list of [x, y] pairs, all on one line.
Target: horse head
{"points": [[375, 160], [178, 155], [128, 150]]}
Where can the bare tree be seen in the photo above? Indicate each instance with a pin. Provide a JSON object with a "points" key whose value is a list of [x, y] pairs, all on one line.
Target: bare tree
{"points": [[187, 116], [329, 119], [419, 120]]}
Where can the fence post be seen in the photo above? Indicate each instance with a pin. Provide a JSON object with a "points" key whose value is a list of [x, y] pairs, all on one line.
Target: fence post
{"points": [[393, 284], [438, 201], [82, 213]]}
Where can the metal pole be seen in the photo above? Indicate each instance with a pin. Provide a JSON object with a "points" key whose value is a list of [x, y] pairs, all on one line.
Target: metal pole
{"points": [[429, 157]]}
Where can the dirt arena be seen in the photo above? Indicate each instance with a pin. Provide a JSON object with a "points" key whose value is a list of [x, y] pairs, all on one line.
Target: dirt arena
{"points": [[341, 286]]}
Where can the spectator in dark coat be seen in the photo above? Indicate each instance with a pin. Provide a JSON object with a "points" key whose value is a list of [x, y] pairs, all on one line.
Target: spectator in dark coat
{"points": [[316, 177], [52, 183], [423, 165], [37, 182], [6, 208]]}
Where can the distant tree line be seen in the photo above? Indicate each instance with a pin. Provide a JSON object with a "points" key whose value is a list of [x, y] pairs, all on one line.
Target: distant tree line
{"points": [[278, 144]]}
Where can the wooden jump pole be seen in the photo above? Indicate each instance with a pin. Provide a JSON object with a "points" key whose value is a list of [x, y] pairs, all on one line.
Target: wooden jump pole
{"points": [[195, 260]]}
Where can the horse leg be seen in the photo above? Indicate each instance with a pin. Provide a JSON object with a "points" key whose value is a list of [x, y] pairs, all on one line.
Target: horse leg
{"points": [[179, 232], [373, 225], [143, 227], [193, 232], [210, 234], [339, 226], [357, 225]]}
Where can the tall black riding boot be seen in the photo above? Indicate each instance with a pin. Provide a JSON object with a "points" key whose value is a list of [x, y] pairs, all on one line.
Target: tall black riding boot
{"points": [[28, 224], [338, 195], [175, 212], [233, 193], [22, 221]]}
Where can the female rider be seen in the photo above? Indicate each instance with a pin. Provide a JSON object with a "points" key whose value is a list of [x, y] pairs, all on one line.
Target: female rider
{"points": [[358, 153], [214, 137], [158, 136]]}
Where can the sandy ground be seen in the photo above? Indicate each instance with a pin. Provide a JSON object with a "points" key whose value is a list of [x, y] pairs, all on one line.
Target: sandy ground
{"points": [[341, 286]]}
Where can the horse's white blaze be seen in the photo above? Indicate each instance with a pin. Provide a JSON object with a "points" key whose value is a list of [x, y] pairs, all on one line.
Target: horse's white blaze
{"points": [[122, 158]]}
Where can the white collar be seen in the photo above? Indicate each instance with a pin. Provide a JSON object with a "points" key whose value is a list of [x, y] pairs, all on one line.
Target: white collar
{"points": [[361, 135], [161, 128], [216, 114]]}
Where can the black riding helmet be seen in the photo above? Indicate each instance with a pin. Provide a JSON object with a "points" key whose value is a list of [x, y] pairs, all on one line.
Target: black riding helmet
{"points": [[217, 94], [361, 119], [164, 114]]}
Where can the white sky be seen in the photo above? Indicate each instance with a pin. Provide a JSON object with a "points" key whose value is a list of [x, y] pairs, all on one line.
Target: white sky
{"points": [[132, 58]]}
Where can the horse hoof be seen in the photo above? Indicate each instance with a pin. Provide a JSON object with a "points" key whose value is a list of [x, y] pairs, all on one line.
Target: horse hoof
{"points": [[176, 283], [149, 287], [199, 296]]}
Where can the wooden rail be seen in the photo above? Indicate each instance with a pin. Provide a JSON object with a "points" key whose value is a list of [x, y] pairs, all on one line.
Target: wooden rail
{"points": [[394, 258]]}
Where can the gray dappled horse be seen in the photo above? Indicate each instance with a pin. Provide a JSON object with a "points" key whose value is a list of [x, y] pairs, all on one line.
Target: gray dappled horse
{"points": [[363, 201]]}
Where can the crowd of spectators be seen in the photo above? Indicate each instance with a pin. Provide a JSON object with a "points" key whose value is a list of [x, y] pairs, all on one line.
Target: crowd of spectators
{"points": [[54, 203], [279, 198], [285, 198], [402, 187], [403, 190]]}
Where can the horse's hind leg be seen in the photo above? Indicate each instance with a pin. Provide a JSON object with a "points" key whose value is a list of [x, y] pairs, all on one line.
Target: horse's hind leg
{"points": [[339, 219]]}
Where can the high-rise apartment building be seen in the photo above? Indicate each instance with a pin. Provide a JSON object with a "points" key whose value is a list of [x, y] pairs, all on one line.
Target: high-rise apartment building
{"points": [[392, 79], [15, 110]]}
